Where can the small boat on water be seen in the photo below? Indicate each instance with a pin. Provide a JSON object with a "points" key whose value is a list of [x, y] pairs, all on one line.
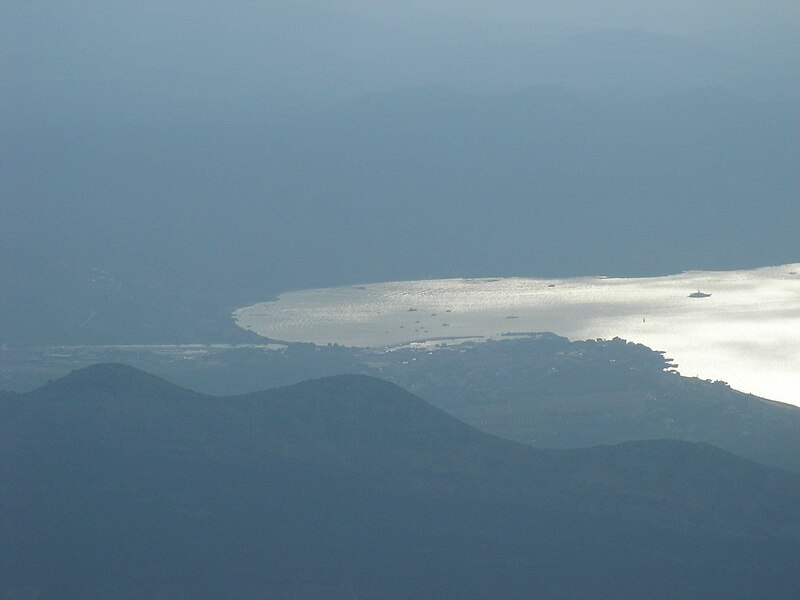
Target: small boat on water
{"points": [[698, 294]]}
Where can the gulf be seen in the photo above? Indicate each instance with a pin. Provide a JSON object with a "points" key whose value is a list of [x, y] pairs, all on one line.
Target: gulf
{"points": [[741, 327]]}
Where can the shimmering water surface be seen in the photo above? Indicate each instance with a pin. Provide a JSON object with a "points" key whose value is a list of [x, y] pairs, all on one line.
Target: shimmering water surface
{"points": [[747, 332]]}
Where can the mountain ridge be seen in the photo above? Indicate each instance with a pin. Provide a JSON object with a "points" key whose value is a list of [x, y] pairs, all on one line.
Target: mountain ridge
{"points": [[350, 482], [366, 424]]}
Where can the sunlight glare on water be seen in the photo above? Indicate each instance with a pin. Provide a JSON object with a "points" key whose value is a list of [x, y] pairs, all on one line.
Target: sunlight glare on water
{"points": [[747, 332]]}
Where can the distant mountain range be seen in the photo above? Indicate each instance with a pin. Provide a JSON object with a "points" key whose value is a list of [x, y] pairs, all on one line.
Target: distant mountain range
{"points": [[115, 483]]}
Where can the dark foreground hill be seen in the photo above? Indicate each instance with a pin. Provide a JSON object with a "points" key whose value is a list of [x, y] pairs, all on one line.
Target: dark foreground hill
{"points": [[114, 483], [539, 388]]}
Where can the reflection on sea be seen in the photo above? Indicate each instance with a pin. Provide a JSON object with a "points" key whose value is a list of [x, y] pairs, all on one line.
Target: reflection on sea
{"points": [[742, 327]]}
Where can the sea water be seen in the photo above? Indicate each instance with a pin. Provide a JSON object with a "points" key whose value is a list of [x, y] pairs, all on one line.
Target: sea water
{"points": [[746, 332]]}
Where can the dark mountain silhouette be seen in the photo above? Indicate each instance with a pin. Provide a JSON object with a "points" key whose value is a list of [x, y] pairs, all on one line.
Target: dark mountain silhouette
{"points": [[117, 380], [543, 390], [116, 483]]}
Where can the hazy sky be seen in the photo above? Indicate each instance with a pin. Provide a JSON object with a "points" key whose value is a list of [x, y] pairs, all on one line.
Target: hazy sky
{"points": [[210, 55]]}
